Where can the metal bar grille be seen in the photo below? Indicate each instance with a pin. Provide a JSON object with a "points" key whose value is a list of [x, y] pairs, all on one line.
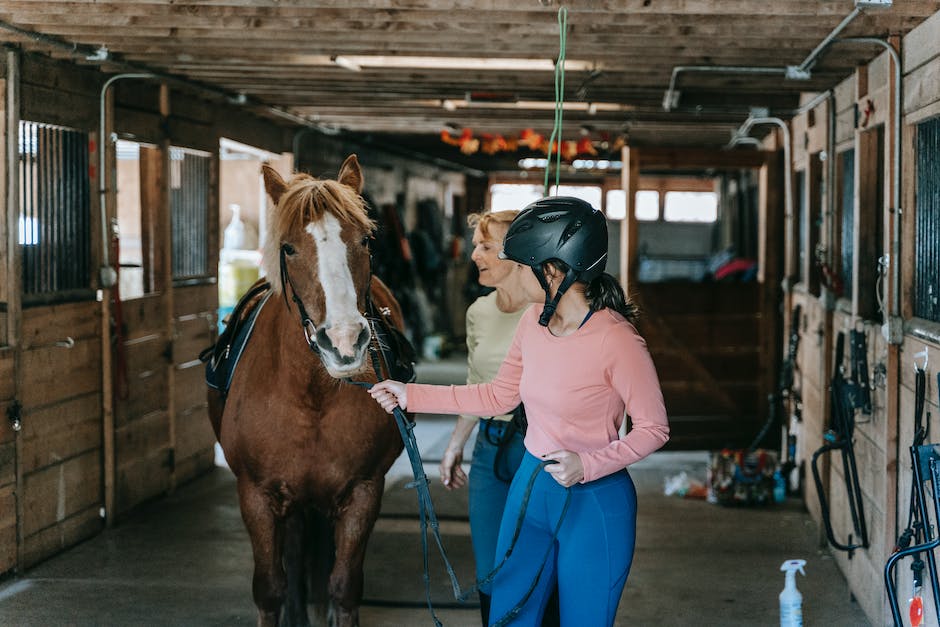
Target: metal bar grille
{"points": [[927, 236], [54, 222], [848, 221], [189, 200]]}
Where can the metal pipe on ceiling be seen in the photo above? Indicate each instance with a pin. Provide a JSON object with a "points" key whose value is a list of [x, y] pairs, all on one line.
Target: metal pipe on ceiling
{"points": [[671, 97], [793, 72], [810, 60]]}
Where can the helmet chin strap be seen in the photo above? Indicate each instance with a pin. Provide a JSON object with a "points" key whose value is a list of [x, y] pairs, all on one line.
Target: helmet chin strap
{"points": [[552, 303]]}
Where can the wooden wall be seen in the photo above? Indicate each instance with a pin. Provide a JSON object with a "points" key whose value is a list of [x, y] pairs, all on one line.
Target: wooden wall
{"points": [[862, 103], [117, 415], [109, 422], [60, 448]]}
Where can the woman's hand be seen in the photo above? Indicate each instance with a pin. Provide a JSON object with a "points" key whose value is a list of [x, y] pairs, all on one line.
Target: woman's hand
{"points": [[390, 393], [452, 475], [568, 470]]}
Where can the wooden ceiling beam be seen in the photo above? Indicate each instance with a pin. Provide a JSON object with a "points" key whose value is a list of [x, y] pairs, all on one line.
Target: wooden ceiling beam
{"points": [[407, 9]]}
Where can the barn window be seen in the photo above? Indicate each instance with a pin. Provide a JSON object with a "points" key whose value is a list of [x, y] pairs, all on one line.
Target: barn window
{"points": [[55, 221], [513, 196], [189, 211], [590, 194], [846, 165], [615, 203], [690, 207], [927, 221], [647, 205]]}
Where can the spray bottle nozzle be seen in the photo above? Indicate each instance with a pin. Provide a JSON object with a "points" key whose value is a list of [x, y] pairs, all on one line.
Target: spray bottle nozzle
{"points": [[791, 566]]}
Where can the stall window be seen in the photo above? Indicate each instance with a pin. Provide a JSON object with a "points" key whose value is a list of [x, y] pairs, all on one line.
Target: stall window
{"points": [[137, 177], [870, 225], [189, 211], [846, 165], [54, 227], [927, 222]]}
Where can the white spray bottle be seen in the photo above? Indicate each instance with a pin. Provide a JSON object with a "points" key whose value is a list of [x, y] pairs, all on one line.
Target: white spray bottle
{"points": [[791, 601]]}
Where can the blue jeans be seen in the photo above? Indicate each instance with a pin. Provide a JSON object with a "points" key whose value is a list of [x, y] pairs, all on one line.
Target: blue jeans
{"points": [[590, 559], [488, 491]]}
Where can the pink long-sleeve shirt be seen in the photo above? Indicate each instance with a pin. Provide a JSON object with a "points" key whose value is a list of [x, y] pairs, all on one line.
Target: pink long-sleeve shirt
{"points": [[575, 389]]}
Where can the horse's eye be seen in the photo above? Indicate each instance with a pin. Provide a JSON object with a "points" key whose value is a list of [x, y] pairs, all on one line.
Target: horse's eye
{"points": [[365, 240], [288, 249]]}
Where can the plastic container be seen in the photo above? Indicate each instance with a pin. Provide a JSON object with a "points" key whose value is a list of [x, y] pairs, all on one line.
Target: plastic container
{"points": [[791, 601], [780, 488]]}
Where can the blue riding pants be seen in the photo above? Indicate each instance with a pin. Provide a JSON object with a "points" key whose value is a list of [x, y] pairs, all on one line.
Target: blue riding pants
{"points": [[589, 559], [489, 488]]}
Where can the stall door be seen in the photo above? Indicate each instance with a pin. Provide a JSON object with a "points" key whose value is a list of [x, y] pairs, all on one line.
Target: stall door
{"points": [[704, 339], [141, 338], [59, 346]]}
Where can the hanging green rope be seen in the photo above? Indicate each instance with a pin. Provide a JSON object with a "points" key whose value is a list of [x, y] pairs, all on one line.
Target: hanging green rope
{"points": [[554, 142]]}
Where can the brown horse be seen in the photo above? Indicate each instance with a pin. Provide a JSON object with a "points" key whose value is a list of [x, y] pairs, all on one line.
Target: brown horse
{"points": [[310, 451]]}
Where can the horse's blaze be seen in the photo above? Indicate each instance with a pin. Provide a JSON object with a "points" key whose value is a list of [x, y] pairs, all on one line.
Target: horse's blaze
{"points": [[343, 325]]}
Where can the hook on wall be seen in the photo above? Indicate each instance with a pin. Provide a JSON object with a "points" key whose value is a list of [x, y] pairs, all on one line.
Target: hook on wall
{"points": [[926, 355]]}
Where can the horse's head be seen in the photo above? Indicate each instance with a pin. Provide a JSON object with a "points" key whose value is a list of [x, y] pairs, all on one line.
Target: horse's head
{"points": [[317, 252]]}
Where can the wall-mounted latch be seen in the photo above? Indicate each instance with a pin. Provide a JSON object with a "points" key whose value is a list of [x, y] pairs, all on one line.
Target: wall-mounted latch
{"points": [[14, 414]]}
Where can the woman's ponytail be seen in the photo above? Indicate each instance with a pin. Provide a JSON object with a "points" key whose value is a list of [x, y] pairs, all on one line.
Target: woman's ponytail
{"points": [[604, 291]]}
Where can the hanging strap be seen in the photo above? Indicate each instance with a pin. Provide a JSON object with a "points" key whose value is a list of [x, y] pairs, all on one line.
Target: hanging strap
{"points": [[554, 142]]}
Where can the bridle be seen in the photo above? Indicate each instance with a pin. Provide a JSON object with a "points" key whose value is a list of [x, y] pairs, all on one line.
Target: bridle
{"points": [[306, 322]]}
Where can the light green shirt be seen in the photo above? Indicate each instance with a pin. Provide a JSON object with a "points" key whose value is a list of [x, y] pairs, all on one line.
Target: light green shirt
{"points": [[489, 335]]}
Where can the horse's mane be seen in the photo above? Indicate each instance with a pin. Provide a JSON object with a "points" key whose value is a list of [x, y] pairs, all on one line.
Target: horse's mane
{"points": [[306, 200]]}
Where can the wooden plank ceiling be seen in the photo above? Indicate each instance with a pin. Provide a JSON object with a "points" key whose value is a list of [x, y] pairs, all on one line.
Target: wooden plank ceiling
{"points": [[622, 55]]}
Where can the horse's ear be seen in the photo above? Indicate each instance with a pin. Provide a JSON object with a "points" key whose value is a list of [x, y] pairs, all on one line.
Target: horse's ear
{"points": [[273, 183], [350, 174]]}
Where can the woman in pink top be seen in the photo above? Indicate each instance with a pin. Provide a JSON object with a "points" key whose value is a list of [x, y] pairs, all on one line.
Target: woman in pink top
{"points": [[578, 364]]}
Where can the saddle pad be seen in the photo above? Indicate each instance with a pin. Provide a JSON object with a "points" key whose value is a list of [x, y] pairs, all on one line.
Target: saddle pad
{"points": [[220, 367]]}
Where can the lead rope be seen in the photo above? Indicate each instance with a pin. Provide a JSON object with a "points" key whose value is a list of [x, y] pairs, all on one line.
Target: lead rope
{"points": [[428, 517]]}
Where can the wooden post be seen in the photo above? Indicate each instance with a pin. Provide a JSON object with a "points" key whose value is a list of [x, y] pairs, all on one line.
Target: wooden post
{"points": [[629, 239], [14, 265], [105, 180], [163, 237]]}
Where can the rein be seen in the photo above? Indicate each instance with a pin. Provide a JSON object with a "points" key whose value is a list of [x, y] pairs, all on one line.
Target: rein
{"points": [[382, 347]]}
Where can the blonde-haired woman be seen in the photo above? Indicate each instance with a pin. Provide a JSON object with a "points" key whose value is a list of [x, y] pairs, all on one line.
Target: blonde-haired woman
{"points": [[491, 324]]}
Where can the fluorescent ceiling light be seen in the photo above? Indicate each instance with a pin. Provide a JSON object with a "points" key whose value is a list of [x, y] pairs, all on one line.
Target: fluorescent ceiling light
{"points": [[440, 63], [537, 105], [346, 63]]}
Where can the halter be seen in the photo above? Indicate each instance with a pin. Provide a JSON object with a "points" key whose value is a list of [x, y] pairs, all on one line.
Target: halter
{"points": [[305, 322]]}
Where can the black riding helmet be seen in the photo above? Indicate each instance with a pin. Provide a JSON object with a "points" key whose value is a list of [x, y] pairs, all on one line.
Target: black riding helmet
{"points": [[558, 228]]}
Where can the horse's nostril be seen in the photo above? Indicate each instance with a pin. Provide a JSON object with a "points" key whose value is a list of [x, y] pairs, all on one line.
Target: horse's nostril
{"points": [[364, 336], [323, 339]]}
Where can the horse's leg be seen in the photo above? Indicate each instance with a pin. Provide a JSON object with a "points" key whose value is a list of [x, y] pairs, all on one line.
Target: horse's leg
{"points": [[266, 532], [319, 555], [295, 611], [353, 526]]}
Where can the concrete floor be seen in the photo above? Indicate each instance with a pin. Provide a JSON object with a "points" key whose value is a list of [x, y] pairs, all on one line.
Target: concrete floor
{"points": [[185, 560]]}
